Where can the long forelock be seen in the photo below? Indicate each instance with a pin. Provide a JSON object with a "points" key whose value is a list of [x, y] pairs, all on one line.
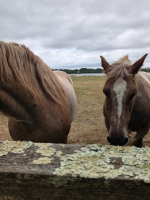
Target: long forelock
{"points": [[118, 68]]}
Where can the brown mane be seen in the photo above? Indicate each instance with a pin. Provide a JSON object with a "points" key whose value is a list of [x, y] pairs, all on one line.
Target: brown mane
{"points": [[118, 69], [20, 65]]}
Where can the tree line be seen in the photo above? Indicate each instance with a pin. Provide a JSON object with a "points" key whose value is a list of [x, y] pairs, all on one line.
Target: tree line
{"points": [[89, 70], [81, 71]]}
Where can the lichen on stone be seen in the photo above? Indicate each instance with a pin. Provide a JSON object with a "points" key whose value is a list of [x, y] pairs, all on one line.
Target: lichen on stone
{"points": [[43, 145], [85, 164], [19, 147], [93, 161], [14, 147], [42, 160], [58, 153], [46, 151], [84, 149]]}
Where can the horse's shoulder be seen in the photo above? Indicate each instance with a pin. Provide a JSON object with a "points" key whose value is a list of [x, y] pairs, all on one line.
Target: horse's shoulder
{"points": [[63, 75], [144, 75], [141, 73]]}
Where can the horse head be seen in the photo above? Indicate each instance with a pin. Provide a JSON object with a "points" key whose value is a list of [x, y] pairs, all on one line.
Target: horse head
{"points": [[120, 91]]}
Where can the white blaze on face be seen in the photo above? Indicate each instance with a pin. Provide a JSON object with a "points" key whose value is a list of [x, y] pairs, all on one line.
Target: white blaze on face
{"points": [[119, 88]]}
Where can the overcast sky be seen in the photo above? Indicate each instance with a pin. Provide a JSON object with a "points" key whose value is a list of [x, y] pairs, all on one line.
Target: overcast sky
{"points": [[74, 33]]}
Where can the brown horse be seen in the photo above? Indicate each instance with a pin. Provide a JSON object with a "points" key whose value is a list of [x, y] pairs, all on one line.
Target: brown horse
{"points": [[127, 102], [40, 103]]}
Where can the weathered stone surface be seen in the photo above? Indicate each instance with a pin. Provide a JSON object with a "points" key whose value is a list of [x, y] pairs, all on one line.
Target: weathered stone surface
{"points": [[57, 171]]}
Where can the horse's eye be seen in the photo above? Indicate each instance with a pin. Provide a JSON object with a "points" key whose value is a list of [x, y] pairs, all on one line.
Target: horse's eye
{"points": [[132, 95], [107, 93]]}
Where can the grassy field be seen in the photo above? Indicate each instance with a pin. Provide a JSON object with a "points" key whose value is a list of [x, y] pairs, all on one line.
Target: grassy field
{"points": [[88, 126]]}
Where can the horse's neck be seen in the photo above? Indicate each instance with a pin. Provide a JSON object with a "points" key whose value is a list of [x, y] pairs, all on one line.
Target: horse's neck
{"points": [[145, 77], [143, 89], [143, 83], [141, 107], [14, 105]]}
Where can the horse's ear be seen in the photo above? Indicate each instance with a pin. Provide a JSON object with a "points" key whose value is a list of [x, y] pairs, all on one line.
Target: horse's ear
{"points": [[105, 64], [138, 64]]}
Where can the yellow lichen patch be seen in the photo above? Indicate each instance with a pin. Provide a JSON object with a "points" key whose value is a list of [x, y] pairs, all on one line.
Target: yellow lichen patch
{"points": [[46, 151], [42, 145], [94, 162], [19, 147], [58, 153], [85, 164], [84, 149], [4, 149], [95, 146], [13, 146], [43, 160]]}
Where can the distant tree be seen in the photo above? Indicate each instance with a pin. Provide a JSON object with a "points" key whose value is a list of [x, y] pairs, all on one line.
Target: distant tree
{"points": [[81, 71]]}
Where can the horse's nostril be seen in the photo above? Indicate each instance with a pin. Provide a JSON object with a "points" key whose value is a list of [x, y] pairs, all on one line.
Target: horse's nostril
{"points": [[108, 139], [126, 140]]}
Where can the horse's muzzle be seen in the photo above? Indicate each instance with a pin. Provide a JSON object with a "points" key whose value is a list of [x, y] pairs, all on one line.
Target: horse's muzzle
{"points": [[117, 141]]}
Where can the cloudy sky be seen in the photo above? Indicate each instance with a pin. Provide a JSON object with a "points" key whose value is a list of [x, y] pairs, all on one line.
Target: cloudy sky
{"points": [[73, 34]]}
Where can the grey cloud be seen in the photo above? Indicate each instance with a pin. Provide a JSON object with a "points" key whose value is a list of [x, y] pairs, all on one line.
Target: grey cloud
{"points": [[87, 26]]}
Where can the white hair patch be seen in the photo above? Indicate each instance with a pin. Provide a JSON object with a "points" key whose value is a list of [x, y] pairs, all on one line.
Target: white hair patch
{"points": [[119, 88]]}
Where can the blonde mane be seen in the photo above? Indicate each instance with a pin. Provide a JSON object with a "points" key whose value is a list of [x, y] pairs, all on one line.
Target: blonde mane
{"points": [[117, 69], [19, 65]]}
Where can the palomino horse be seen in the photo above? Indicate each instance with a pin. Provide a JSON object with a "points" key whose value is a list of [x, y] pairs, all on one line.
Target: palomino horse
{"points": [[39, 103], [127, 102]]}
